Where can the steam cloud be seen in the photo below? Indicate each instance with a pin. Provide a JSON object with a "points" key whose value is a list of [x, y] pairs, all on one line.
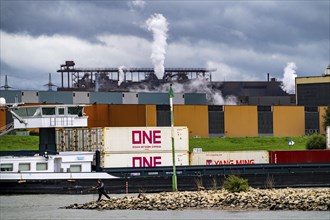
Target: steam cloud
{"points": [[198, 85], [136, 4], [158, 25], [121, 77], [288, 81]]}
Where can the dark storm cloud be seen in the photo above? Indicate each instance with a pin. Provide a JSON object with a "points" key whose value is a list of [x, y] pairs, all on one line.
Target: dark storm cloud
{"points": [[245, 38], [83, 19]]}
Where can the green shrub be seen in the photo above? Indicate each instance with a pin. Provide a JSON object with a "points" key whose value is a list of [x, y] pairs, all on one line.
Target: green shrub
{"points": [[316, 141], [235, 184]]}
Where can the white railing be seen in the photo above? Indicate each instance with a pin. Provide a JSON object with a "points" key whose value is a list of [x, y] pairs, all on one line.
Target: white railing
{"points": [[61, 121]]}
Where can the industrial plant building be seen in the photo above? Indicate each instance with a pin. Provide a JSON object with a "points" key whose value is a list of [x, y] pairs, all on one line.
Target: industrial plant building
{"points": [[119, 97]]}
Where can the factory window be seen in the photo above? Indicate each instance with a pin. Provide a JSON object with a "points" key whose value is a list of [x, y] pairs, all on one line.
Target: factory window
{"points": [[22, 93], [37, 93], [24, 166], [6, 167], [74, 94], [42, 166], [75, 168]]}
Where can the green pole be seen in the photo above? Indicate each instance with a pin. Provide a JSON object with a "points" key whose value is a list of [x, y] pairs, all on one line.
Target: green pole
{"points": [[174, 179]]}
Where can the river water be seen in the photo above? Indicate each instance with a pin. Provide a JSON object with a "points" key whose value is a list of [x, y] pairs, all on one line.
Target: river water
{"points": [[48, 207]]}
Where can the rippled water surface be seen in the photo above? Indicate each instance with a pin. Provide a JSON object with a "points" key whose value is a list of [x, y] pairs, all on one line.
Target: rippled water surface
{"points": [[48, 207]]}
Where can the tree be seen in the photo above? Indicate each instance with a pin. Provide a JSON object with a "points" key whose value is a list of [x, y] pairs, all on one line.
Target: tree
{"points": [[326, 118]]}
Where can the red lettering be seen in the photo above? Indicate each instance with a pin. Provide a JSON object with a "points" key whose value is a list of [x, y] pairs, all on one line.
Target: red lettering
{"points": [[244, 161], [149, 137], [134, 159], [146, 162], [157, 137], [136, 137], [157, 161], [145, 137]]}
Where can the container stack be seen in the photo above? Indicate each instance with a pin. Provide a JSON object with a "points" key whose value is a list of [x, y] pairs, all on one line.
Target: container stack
{"points": [[144, 147]]}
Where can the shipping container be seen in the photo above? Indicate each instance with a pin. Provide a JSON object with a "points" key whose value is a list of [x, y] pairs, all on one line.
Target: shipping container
{"points": [[229, 157], [143, 159], [299, 156], [79, 139], [144, 139]]}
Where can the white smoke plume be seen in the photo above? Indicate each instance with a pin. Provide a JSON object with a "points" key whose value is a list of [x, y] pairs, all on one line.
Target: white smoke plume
{"points": [[121, 76], [198, 85], [288, 81], [136, 4], [158, 25]]}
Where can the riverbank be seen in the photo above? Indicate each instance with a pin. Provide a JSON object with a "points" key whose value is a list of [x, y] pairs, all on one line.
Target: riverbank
{"points": [[315, 199]]}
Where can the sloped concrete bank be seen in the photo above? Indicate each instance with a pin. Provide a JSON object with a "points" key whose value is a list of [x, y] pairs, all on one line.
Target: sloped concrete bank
{"points": [[268, 199]]}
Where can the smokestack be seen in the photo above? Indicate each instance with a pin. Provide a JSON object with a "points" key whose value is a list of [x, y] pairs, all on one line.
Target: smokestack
{"points": [[267, 77]]}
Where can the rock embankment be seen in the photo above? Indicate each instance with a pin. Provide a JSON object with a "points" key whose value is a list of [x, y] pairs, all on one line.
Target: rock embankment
{"points": [[275, 199]]}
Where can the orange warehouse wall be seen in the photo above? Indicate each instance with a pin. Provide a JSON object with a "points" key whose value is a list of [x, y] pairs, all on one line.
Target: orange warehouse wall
{"points": [[288, 120], [2, 118], [321, 113], [127, 115], [195, 117], [151, 116], [241, 121], [98, 115]]}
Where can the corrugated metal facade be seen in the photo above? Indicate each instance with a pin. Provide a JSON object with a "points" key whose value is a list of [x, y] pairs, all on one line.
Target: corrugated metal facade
{"points": [[195, 99], [195, 117], [55, 97], [289, 120], [241, 121], [11, 96], [106, 97], [3, 120], [153, 98], [127, 115]]}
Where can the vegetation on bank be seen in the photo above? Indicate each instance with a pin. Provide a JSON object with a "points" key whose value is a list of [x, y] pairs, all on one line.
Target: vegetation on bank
{"points": [[16, 142], [13, 142], [248, 143]]}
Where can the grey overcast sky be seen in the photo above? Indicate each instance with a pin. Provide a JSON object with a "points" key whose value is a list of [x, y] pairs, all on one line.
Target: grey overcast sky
{"points": [[243, 39]]}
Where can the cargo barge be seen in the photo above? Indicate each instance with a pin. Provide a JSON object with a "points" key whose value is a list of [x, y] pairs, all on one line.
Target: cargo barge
{"points": [[132, 159]]}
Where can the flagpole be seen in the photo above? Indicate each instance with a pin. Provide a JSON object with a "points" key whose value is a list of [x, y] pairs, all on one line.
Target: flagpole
{"points": [[174, 179]]}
